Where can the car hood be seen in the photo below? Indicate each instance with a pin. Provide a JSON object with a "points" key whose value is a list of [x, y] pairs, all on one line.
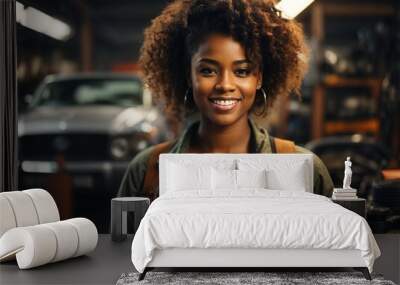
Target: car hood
{"points": [[87, 119]]}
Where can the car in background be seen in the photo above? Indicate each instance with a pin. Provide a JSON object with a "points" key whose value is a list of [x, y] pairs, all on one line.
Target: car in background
{"points": [[90, 125]]}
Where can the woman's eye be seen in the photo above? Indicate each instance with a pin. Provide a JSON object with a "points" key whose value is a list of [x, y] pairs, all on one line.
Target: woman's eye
{"points": [[207, 71], [242, 72]]}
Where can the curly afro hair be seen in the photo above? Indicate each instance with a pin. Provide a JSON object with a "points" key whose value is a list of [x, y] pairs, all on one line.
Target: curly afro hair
{"points": [[274, 43]]}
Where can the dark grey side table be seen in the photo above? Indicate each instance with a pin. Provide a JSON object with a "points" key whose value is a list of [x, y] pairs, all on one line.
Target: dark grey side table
{"points": [[119, 215], [356, 205]]}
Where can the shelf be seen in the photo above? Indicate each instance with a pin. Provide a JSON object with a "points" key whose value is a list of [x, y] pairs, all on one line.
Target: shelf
{"points": [[355, 9], [363, 126], [322, 126], [389, 174], [339, 81]]}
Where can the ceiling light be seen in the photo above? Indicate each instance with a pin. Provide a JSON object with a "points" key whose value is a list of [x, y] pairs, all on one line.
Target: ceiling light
{"points": [[291, 8], [42, 23]]}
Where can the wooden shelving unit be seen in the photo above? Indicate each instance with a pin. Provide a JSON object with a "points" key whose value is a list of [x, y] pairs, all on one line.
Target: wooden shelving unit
{"points": [[316, 20], [322, 126]]}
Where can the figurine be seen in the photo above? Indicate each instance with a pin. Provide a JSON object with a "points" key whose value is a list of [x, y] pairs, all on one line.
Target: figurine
{"points": [[345, 193], [347, 174]]}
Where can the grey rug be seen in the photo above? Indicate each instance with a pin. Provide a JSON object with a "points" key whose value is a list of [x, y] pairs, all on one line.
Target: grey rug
{"points": [[230, 278]]}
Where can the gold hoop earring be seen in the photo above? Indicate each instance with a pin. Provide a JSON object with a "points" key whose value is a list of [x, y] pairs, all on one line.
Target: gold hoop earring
{"points": [[265, 102]]}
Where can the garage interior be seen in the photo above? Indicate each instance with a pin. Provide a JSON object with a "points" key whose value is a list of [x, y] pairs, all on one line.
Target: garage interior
{"points": [[349, 105]]}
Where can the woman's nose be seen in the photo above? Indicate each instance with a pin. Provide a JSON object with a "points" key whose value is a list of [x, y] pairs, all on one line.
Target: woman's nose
{"points": [[225, 83]]}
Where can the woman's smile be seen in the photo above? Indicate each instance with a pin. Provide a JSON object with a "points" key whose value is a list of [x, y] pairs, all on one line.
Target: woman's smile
{"points": [[224, 104]]}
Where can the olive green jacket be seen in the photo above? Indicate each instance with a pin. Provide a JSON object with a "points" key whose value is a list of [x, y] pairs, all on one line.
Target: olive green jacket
{"points": [[132, 183]]}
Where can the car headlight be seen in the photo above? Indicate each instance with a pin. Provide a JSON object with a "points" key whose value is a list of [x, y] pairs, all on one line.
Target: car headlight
{"points": [[125, 147], [141, 144], [120, 148]]}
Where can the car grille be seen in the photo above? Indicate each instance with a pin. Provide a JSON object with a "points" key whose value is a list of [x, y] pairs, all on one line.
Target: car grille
{"points": [[74, 147]]}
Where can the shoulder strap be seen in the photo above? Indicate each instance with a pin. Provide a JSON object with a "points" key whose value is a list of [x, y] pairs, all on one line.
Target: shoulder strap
{"points": [[150, 184], [282, 146]]}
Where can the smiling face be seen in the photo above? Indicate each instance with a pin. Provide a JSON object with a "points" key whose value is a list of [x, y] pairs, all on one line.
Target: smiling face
{"points": [[224, 81]]}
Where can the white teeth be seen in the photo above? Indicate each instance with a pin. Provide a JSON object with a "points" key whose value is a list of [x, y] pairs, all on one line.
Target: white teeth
{"points": [[224, 102]]}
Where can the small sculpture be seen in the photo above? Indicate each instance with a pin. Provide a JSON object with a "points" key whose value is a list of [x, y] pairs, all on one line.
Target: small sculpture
{"points": [[347, 174], [345, 193]]}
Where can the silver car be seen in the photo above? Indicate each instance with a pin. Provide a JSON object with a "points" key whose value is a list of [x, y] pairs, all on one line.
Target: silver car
{"points": [[94, 123]]}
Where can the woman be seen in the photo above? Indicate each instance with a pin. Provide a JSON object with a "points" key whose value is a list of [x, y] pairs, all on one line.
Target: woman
{"points": [[225, 60]]}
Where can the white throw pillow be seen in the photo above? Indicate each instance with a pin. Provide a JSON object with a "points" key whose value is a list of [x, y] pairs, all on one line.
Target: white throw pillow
{"points": [[293, 180], [224, 179], [188, 177], [252, 178], [282, 174]]}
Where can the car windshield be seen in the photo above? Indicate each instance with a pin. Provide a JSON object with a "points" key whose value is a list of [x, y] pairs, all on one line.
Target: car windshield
{"points": [[119, 92]]}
